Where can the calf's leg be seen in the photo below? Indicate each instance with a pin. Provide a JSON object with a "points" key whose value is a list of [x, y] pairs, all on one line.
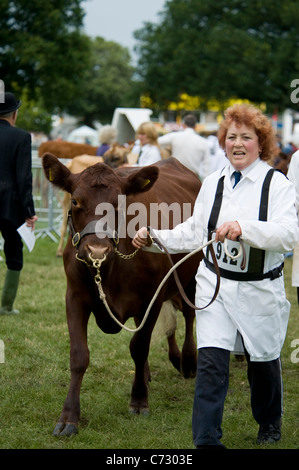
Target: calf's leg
{"points": [[79, 360]]}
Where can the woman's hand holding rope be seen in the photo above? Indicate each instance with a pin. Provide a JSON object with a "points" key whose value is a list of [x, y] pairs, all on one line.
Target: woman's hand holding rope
{"points": [[229, 230]]}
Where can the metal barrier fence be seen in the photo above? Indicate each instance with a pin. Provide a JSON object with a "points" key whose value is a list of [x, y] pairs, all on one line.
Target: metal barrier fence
{"points": [[47, 203]]}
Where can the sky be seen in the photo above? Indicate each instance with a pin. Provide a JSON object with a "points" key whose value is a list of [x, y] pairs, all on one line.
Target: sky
{"points": [[116, 20]]}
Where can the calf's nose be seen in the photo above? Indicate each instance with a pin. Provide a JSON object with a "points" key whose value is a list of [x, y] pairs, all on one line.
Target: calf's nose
{"points": [[97, 252]]}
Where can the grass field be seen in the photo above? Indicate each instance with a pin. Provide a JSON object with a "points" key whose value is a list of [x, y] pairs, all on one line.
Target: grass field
{"points": [[35, 376]]}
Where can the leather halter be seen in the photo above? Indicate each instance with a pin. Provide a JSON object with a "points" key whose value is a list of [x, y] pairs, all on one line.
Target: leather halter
{"points": [[92, 228]]}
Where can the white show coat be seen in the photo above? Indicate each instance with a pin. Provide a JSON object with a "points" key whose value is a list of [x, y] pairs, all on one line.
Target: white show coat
{"points": [[293, 175], [149, 154], [259, 310], [190, 149]]}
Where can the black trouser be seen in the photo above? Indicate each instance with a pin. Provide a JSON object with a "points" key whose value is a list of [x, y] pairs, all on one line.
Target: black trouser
{"points": [[13, 245], [211, 389]]}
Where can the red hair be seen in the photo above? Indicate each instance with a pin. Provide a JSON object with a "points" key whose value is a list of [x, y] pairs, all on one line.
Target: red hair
{"points": [[251, 117]]}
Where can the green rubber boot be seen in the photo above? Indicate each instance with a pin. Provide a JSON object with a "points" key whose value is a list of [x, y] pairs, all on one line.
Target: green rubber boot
{"points": [[9, 292]]}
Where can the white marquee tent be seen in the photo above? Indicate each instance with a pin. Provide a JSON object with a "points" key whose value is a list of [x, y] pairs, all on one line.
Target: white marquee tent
{"points": [[127, 120], [84, 135]]}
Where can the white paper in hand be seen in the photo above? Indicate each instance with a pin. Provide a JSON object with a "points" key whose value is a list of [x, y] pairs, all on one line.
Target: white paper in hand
{"points": [[27, 235]]}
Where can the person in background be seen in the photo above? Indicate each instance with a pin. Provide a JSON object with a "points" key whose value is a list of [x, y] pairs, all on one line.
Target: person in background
{"points": [[149, 148], [251, 201], [107, 136], [293, 175], [189, 148], [16, 200], [218, 157]]}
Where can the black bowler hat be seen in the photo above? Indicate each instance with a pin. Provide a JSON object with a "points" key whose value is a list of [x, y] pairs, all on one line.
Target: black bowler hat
{"points": [[10, 103]]}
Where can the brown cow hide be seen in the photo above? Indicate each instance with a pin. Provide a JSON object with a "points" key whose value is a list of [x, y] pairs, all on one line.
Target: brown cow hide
{"points": [[63, 149]]}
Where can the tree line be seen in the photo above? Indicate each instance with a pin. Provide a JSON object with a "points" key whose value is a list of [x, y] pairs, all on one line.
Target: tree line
{"points": [[245, 49]]}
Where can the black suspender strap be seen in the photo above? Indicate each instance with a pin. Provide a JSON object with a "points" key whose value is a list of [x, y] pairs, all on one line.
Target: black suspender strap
{"points": [[216, 207], [265, 195], [257, 257], [215, 211]]}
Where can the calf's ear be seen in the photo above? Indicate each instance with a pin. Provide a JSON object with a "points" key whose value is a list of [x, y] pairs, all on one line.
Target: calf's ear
{"points": [[57, 173], [142, 180]]}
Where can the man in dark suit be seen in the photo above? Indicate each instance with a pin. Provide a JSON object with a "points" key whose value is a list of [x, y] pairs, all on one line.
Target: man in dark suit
{"points": [[16, 201]]}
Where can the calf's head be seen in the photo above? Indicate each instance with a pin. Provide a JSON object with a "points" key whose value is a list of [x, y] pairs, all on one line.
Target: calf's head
{"points": [[116, 155], [94, 191]]}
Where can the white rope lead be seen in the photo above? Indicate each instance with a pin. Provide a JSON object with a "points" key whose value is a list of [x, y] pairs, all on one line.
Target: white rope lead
{"points": [[229, 254], [134, 330]]}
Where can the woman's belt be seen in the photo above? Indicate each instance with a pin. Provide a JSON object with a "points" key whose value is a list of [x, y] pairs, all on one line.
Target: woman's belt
{"points": [[234, 276]]}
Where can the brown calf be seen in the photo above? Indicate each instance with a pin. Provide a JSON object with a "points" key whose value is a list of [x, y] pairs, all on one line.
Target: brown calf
{"points": [[128, 282]]}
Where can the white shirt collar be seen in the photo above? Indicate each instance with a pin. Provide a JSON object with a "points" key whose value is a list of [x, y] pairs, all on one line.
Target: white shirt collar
{"points": [[246, 170]]}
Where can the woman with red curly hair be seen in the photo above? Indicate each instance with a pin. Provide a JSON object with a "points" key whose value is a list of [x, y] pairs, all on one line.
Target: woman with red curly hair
{"points": [[246, 200], [250, 117]]}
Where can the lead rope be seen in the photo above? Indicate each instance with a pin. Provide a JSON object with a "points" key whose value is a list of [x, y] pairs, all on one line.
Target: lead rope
{"points": [[96, 263], [98, 280]]}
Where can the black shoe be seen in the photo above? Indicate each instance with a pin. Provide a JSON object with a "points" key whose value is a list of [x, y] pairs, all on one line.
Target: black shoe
{"points": [[269, 433]]}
